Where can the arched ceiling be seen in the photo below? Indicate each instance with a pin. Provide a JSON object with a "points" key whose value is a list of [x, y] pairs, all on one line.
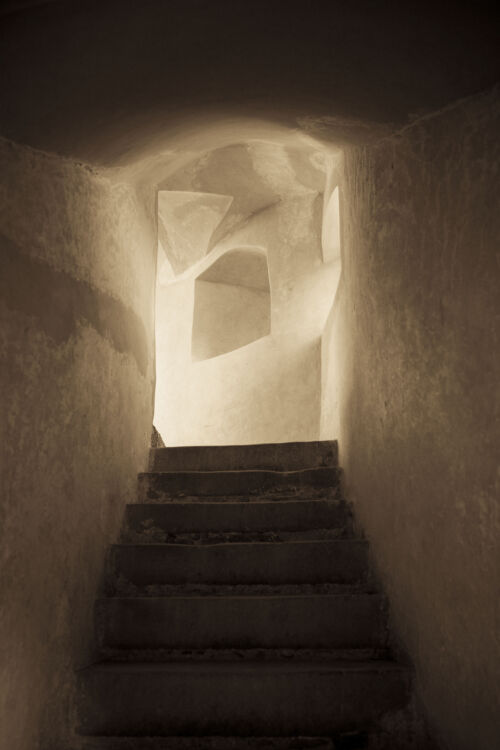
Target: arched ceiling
{"points": [[110, 81], [221, 190]]}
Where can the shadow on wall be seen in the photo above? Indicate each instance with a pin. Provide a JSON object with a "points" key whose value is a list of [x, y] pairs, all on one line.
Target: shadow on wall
{"points": [[77, 277], [414, 365], [247, 276], [232, 304]]}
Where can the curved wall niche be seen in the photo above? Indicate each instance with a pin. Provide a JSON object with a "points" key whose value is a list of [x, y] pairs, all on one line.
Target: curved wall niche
{"points": [[186, 223], [232, 304]]}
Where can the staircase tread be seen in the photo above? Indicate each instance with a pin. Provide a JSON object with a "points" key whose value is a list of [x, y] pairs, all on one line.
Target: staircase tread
{"points": [[224, 446], [126, 590], [155, 535], [253, 597], [236, 654], [257, 497], [289, 500], [208, 742], [148, 545], [249, 666], [302, 470]]}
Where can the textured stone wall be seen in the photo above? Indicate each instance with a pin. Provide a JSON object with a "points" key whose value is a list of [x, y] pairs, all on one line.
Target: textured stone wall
{"points": [[415, 367], [76, 380]]}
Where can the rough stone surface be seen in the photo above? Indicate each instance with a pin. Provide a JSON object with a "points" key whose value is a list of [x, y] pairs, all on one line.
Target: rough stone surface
{"points": [[415, 363], [279, 621], [178, 484], [76, 345], [161, 521], [276, 456], [150, 534], [338, 561], [255, 638], [156, 440], [208, 743], [119, 586], [264, 698], [109, 653]]}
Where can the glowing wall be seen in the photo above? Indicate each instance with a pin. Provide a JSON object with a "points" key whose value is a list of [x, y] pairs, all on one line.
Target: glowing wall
{"points": [[238, 348], [232, 304]]}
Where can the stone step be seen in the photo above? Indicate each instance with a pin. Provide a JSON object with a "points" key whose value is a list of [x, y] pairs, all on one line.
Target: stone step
{"points": [[241, 589], [242, 654], [242, 622], [335, 561], [288, 515], [151, 534], [207, 743], [160, 486], [245, 698], [276, 456]]}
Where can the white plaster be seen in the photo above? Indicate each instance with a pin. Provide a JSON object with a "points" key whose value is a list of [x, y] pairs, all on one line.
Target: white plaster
{"points": [[188, 221]]}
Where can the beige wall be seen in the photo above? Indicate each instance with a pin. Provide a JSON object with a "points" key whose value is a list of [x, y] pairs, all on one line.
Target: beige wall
{"points": [[227, 317], [415, 368], [269, 390], [76, 382]]}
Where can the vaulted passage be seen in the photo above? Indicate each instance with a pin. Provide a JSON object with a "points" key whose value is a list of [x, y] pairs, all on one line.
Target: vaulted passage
{"points": [[247, 272], [251, 235]]}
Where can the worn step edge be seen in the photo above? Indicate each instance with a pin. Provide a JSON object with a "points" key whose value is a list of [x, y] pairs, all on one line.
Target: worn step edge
{"points": [[312, 621], [214, 667], [281, 456], [329, 561], [152, 534], [228, 516], [246, 698], [240, 654], [206, 743], [355, 541], [274, 496], [154, 484], [126, 589]]}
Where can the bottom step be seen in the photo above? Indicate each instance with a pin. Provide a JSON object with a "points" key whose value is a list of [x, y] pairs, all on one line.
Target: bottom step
{"points": [[238, 699], [208, 743]]}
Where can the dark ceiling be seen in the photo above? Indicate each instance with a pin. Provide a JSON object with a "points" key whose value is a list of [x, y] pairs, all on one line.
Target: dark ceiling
{"points": [[102, 79]]}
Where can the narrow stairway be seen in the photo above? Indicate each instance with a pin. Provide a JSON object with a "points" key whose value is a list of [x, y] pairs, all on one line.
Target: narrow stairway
{"points": [[240, 607]]}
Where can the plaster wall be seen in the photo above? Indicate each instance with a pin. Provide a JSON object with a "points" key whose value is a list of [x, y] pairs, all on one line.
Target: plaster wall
{"points": [[269, 390], [415, 370], [227, 317], [332, 347], [77, 379]]}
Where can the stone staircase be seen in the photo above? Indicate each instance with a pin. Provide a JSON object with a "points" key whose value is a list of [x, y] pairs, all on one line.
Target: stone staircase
{"points": [[240, 611]]}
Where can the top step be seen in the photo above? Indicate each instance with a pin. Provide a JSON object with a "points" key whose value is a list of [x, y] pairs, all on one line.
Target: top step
{"points": [[274, 456]]}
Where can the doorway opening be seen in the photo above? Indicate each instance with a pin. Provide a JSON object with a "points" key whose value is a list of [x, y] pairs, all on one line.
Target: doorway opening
{"points": [[248, 266]]}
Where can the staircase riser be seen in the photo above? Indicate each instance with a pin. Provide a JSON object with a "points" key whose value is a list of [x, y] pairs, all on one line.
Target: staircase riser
{"points": [[280, 457], [341, 561], [154, 486], [206, 743], [242, 622], [237, 703], [176, 518]]}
